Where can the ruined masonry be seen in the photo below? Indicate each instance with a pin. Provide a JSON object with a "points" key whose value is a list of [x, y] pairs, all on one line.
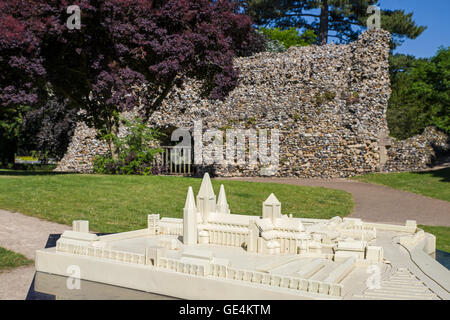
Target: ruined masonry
{"points": [[329, 103]]}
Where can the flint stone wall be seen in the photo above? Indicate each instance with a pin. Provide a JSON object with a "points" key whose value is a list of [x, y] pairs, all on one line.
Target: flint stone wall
{"points": [[329, 103], [417, 152]]}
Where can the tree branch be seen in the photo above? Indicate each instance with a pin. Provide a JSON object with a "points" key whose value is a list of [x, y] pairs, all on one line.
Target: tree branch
{"points": [[303, 15]]}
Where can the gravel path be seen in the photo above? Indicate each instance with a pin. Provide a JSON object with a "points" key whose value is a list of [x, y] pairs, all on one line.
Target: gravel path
{"points": [[14, 284], [376, 203], [23, 234]]}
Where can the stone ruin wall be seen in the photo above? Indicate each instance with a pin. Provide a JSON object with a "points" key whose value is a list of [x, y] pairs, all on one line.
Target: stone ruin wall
{"points": [[329, 103], [417, 152]]}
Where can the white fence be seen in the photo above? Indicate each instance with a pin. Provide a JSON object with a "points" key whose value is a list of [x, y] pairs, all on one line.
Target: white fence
{"points": [[116, 255], [177, 160], [222, 271]]}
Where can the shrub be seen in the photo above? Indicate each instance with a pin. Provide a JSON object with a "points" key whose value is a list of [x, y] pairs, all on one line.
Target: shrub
{"points": [[322, 98], [104, 164], [133, 154], [330, 95], [159, 169], [48, 129]]}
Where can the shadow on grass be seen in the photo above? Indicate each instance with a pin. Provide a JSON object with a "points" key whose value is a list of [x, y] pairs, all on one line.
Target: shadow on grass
{"points": [[443, 174], [6, 172]]}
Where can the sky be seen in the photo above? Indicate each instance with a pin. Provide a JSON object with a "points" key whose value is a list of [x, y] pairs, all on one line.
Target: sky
{"points": [[435, 14]]}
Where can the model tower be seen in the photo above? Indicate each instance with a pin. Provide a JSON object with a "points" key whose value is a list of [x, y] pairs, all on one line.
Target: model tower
{"points": [[222, 204], [206, 199], [190, 219]]}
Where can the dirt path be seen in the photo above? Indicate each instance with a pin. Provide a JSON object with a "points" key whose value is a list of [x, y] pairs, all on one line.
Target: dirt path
{"points": [[23, 234], [377, 203]]}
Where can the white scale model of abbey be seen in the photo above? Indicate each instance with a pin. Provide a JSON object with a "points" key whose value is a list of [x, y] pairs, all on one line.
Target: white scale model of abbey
{"points": [[214, 254]]}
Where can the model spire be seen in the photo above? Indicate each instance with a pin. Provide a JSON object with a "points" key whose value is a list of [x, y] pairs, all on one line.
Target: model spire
{"points": [[206, 199], [206, 189], [190, 219], [222, 205], [190, 200]]}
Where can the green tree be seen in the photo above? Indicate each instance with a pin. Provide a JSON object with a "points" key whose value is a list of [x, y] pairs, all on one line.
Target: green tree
{"points": [[10, 125], [340, 19], [290, 37], [438, 76], [135, 151], [126, 55], [420, 94]]}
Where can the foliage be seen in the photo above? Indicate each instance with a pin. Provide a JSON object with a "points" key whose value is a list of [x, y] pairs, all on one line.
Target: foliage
{"points": [[256, 42], [290, 37], [10, 124], [127, 53], [319, 99], [135, 151], [274, 46], [340, 19], [33, 167], [115, 203], [48, 129], [420, 94]]}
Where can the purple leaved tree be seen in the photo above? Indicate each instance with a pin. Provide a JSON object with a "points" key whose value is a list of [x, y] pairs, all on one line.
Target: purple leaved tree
{"points": [[127, 53]]}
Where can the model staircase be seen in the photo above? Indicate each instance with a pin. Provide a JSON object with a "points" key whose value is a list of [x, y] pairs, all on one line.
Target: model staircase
{"points": [[401, 285]]}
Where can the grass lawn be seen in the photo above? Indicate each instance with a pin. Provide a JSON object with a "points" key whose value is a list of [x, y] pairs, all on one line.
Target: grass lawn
{"points": [[11, 260], [121, 203], [442, 236], [434, 184]]}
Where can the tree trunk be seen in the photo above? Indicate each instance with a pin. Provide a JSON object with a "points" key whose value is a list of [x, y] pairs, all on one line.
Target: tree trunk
{"points": [[111, 129], [167, 88], [323, 32], [114, 151]]}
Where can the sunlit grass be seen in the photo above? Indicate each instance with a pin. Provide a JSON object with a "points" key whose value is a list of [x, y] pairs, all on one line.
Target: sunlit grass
{"points": [[11, 260], [120, 203], [442, 236]]}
